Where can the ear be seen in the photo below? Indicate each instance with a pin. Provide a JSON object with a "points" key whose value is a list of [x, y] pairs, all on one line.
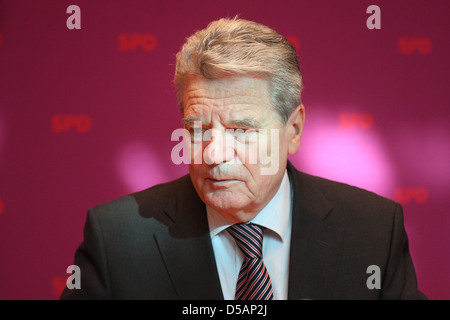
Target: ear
{"points": [[295, 129]]}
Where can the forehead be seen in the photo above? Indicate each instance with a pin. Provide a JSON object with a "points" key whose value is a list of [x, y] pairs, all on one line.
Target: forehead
{"points": [[231, 96]]}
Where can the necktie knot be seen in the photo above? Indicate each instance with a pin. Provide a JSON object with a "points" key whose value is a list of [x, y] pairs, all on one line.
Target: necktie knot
{"points": [[249, 238]]}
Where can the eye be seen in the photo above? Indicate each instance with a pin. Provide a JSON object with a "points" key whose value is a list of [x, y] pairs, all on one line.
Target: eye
{"points": [[245, 135], [196, 133]]}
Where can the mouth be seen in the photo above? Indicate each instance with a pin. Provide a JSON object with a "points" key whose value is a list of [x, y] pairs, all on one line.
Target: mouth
{"points": [[220, 182]]}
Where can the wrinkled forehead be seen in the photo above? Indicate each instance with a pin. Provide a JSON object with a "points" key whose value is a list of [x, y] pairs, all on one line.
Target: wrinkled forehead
{"points": [[226, 89], [233, 96]]}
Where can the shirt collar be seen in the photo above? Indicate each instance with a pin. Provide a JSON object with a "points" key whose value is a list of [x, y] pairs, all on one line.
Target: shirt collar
{"points": [[274, 216]]}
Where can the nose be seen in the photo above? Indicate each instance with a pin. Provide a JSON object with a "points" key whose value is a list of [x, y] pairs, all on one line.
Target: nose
{"points": [[219, 148]]}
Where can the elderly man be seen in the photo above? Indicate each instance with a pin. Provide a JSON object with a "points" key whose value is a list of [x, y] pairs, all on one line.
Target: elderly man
{"points": [[244, 224]]}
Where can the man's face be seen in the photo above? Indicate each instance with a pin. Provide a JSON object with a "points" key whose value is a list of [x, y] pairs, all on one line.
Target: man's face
{"points": [[235, 138]]}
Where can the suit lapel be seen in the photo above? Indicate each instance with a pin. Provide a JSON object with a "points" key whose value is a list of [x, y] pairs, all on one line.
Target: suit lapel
{"points": [[191, 267], [316, 245], [185, 247]]}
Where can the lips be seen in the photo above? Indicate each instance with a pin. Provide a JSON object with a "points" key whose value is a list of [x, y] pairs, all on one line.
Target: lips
{"points": [[221, 181]]}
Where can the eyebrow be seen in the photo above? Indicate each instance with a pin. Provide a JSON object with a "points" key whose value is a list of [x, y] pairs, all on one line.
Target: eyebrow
{"points": [[190, 119], [244, 123]]}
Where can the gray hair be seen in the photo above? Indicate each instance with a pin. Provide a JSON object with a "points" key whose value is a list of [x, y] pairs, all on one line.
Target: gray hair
{"points": [[238, 47]]}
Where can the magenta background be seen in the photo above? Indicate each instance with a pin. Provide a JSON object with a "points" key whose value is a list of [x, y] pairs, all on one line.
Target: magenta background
{"points": [[48, 180]]}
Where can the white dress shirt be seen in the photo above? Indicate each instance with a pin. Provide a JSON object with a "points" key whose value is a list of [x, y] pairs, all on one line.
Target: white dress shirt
{"points": [[276, 218]]}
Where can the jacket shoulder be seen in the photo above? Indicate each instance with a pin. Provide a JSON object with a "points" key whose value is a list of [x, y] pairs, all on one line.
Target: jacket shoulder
{"points": [[343, 194], [342, 203], [146, 203]]}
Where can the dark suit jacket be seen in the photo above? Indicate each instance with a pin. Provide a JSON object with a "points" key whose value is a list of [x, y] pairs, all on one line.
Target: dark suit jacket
{"points": [[155, 244]]}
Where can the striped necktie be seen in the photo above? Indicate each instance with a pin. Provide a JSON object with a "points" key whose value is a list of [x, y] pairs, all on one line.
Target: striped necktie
{"points": [[254, 281]]}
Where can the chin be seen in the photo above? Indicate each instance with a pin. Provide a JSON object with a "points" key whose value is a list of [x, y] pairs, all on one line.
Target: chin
{"points": [[225, 201]]}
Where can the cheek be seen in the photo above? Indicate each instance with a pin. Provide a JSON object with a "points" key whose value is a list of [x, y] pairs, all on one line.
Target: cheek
{"points": [[256, 183], [247, 154], [262, 150], [194, 172]]}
